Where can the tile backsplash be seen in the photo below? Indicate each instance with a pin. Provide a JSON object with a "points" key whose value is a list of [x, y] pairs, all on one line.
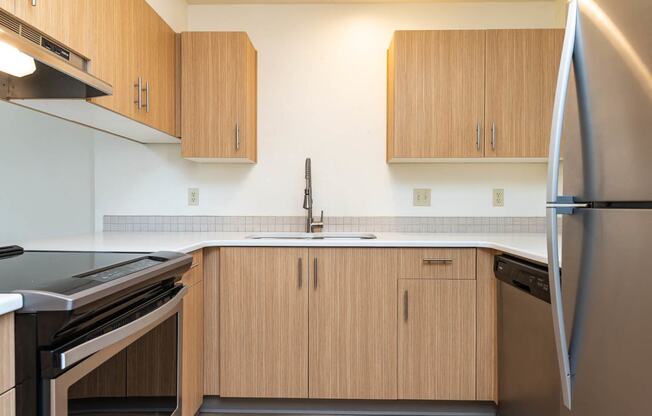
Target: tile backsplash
{"points": [[185, 223]]}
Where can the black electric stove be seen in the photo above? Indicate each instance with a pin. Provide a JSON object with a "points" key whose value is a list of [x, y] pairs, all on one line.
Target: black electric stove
{"points": [[76, 305]]}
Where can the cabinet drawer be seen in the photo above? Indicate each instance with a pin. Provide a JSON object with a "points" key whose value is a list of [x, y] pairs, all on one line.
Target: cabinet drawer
{"points": [[437, 263], [7, 370], [8, 403]]}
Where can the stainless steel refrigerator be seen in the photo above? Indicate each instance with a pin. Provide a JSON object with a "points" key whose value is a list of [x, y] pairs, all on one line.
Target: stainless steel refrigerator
{"points": [[602, 301]]}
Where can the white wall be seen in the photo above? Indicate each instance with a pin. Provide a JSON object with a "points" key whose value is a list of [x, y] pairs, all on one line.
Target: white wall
{"points": [[322, 93], [46, 176], [174, 12]]}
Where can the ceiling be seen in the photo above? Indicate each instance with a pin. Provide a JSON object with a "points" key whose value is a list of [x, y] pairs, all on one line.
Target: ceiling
{"points": [[348, 1]]}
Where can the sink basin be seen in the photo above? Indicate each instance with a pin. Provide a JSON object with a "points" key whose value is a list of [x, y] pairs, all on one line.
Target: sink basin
{"points": [[311, 236]]}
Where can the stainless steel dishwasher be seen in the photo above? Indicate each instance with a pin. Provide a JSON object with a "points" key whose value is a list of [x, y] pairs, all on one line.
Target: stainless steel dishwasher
{"points": [[528, 382]]}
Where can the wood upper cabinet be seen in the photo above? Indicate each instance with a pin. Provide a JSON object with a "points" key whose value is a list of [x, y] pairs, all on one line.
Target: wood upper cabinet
{"points": [[470, 94], [263, 322], [435, 94], [522, 67], [154, 63], [218, 97], [8, 5], [192, 352], [437, 340], [66, 21], [353, 323]]}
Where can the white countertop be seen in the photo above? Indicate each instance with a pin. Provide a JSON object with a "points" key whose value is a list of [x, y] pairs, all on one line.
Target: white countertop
{"points": [[530, 246], [10, 302]]}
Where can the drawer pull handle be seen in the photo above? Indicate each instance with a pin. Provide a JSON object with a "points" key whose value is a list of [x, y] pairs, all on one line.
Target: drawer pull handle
{"points": [[437, 261], [405, 306]]}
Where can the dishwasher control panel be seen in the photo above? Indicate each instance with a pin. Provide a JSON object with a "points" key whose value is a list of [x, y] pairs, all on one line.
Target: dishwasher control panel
{"points": [[526, 276]]}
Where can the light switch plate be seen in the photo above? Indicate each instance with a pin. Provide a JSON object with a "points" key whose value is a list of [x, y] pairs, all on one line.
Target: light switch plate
{"points": [[193, 197], [421, 197], [499, 198]]}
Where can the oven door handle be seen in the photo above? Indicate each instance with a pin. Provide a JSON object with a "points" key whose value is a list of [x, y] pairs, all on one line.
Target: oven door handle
{"points": [[139, 326]]}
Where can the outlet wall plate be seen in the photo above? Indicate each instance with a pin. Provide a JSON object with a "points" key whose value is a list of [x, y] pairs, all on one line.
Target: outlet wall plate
{"points": [[193, 197], [421, 197], [499, 197]]}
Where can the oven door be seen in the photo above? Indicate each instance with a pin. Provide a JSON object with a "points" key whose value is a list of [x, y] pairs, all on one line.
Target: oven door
{"points": [[132, 370]]}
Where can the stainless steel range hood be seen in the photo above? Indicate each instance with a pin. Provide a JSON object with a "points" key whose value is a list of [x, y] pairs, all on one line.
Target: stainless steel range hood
{"points": [[60, 72]]}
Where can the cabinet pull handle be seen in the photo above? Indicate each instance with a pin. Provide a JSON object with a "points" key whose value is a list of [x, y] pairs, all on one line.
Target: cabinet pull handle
{"points": [[139, 86], [493, 136], [315, 267], [147, 97], [437, 261], [478, 133], [405, 305], [237, 136], [34, 3], [300, 278]]}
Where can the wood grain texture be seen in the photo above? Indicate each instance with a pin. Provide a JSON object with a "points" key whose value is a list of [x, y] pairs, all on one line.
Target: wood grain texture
{"points": [[112, 57], [437, 93], [152, 362], [192, 353], [412, 263], [211, 267], [154, 60], [487, 328], [436, 343], [219, 70], [7, 346], [196, 272], [8, 5], [263, 322], [108, 380], [66, 21], [8, 403], [353, 324], [522, 67]]}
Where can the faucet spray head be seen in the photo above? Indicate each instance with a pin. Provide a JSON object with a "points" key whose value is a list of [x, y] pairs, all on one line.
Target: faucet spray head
{"points": [[307, 193]]}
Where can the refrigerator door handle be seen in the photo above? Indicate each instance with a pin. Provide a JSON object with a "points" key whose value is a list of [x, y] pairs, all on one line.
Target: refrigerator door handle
{"points": [[563, 358]]}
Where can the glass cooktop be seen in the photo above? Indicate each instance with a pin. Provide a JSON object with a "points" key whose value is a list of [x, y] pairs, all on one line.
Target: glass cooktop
{"points": [[67, 272]]}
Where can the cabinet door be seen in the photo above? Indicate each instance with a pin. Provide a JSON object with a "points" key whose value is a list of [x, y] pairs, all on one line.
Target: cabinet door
{"points": [[436, 340], [353, 323], [219, 72], [8, 5], [66, 21], [155, 63], [522, 67], [112, 59], [436, 94], [192, 393], [263, 322], [7, 346]]}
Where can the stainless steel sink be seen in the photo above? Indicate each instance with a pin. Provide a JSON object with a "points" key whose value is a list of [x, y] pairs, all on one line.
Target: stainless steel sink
{"points": [[311, 236]]}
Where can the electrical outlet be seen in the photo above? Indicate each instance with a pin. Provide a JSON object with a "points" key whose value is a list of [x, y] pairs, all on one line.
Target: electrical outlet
{"points": [[421, 197], [499, 197], [193, 197]]}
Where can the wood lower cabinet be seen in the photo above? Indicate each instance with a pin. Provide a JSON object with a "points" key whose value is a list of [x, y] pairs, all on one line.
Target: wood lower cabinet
{"points": [[437, 340], [7, 347], [264, 322], [436, 94], [192, 352], [521, 77], [8, 403], [218, 97], [353, 323]]}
